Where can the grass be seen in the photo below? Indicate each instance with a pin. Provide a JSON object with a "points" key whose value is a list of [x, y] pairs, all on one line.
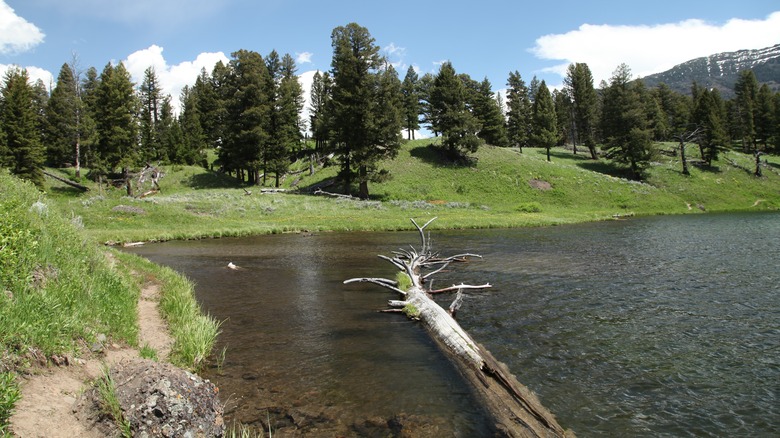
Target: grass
{"points": [[9, 395], [59, 291], [504, 189], [110, 403], [194, 333]]}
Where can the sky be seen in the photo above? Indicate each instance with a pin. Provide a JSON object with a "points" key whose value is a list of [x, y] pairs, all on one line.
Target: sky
{"points": [[485, 39]]}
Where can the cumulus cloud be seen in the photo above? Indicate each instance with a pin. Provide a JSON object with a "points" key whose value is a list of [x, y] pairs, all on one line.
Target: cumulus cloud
{"points": [[17, 34], [34, 73], [303, 58], [172, 77], [653, 49]]}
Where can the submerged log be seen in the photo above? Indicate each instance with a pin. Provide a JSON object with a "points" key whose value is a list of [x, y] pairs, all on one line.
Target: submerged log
{"points": [[516, 411]]}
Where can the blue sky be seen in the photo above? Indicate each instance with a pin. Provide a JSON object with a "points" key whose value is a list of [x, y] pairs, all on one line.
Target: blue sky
{"points": [[488, 38]]}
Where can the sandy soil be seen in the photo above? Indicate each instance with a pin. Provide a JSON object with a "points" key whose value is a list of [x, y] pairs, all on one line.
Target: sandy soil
{"points": [[46, 408]]}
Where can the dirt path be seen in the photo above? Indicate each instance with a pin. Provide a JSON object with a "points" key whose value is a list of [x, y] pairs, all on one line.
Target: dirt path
{"points": [[46, 408]]}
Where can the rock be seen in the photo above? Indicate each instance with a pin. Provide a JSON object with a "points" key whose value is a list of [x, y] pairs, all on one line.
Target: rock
{"points": [[159, 399]]}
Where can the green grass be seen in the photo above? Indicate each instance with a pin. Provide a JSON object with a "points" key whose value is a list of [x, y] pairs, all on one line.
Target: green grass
{"points": [[497, 192], [194, 333], [110, 406], [59, 290], [9, 395]]}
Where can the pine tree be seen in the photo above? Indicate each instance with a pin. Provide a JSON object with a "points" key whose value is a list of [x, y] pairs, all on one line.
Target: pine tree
{"points": [[564, 118], [746, 90], [194, 144], [248, 111], [62, 119], [286, 123], [489, 115], [519, 111], [450, 115], [357, 122], [675, 108], [23, 150], [411, 102], [579, 86], [764, 115], [545, 130], [150, 98], [319, 110], [624, 124], [116, 107], [708, 116], [776, 130], [87, 126]]}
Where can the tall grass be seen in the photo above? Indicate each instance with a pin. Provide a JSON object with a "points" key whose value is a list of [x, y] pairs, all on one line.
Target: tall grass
{"points": [[194, 333]]}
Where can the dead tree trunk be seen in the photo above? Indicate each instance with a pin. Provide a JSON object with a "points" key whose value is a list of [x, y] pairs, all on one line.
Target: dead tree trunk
{"points": [[516, 411]]}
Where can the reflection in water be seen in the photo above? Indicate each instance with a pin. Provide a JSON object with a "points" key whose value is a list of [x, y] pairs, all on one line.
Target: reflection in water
{"points": [[304, 348], [663, 326]]}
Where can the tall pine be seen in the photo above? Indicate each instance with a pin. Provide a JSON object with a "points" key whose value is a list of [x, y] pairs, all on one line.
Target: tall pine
{"points": [[24, 152], [359, 121], [519, 111], [545, 129], [411, 102], [450, 114]]}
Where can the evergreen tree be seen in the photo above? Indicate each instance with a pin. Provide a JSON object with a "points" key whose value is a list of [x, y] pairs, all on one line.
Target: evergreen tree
{"points": [[624, 124], [211, 93], [776, 131], [545, 129], [489, 115], [319, 111], [248, 111], [708, 116], [675, 109], [519, 111], [564, 118], [24, 153], [150, 98], [425, 87], [746, 90], [411, 103], [116, 107], [533, 88], [88, 137], [357, 122], [62, 119], [450, 115], [193, 145], [764, 115], [579, 86], [286, 122]]}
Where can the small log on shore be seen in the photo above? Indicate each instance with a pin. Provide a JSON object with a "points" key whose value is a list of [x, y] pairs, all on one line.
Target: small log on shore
{"points": [[516, 411]]}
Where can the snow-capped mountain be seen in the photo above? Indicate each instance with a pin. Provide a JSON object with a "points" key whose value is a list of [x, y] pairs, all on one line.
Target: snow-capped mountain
{"points": [[722, 70]]}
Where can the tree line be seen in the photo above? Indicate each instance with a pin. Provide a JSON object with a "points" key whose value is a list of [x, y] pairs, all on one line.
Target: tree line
{"points": [[249, 112]]}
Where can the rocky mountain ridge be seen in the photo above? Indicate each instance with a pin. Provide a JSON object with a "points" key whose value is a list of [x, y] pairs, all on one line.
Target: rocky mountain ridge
{"points": [[721, 71]]}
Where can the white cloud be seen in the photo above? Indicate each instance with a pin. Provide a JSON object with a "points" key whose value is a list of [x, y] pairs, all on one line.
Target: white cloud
{"points": [[303, 58], [172, 77], [653, 49], [17, 34], [33, 72]]}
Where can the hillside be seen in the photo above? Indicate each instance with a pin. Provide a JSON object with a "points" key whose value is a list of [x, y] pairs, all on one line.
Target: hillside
{"points": [[504, 189], [721, 71]]}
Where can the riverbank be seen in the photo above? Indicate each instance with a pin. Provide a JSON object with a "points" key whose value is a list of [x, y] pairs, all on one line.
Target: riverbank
{"points": [[504, 189], [64, 297]]}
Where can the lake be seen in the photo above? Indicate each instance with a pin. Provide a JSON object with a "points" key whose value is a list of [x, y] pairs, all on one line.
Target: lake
{"points": [[663, 326]]}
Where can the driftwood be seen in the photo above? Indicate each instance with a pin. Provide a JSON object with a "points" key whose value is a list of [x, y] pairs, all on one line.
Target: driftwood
{"points": [[517, 412], [333, 195], [67, 181]]}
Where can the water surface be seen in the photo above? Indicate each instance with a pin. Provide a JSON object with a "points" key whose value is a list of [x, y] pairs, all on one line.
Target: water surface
{"points": [[666, 326]]}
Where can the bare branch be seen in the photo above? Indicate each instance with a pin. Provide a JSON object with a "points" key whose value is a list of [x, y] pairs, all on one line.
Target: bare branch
{"points": [[390, 284]]}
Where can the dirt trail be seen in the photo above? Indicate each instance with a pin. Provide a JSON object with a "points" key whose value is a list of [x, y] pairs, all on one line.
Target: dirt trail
{"points": [[48, 398]]}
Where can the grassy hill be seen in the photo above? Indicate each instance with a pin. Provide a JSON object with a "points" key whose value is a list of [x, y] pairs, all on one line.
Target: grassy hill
{"points": [[505, 188]]}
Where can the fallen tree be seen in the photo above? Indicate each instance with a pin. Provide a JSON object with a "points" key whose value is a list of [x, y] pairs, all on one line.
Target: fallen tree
{"points": [[517, 412]]}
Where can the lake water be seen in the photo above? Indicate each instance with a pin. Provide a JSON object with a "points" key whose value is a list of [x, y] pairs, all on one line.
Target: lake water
{"points": [[664, 326]]}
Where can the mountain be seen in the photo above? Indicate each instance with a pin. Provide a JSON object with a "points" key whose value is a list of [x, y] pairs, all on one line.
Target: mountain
{"points": [[721, 71]]}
